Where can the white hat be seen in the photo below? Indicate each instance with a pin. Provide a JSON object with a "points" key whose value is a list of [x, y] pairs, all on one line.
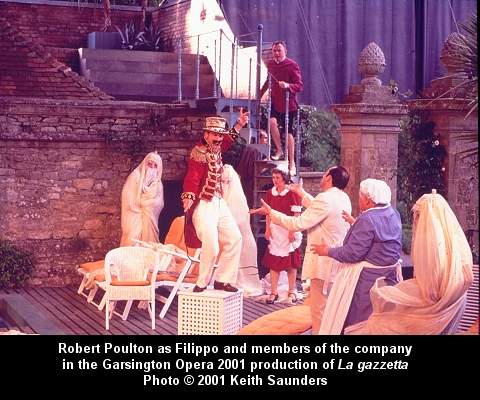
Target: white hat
{"points": [[215, 124], [282, 166], [376, 190]]}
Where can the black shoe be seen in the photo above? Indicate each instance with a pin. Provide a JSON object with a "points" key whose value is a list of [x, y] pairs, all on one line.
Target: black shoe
{"points": [[272, 298], [224, 286], [198, 289]]}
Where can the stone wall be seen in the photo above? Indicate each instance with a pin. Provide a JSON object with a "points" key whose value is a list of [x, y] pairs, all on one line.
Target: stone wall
{"points": [[62, 168], [461, 173]]}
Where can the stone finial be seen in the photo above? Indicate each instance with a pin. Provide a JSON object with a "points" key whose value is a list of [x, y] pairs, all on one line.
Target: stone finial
{"points": [[449, 51], [371, 63]]}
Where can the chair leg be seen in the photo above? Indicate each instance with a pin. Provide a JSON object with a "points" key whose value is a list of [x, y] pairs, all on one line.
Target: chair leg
{"points": [[82, 284], [107, 317], [175, 288], [91, 294], [126, 311], [112, 311], [102, 302], [153, 316]]}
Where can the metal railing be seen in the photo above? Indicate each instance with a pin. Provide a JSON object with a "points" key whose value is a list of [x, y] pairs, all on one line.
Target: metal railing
{"points": [[235, 82]]}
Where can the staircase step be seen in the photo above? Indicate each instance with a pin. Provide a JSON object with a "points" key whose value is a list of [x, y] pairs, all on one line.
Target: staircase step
{"points": [[163, 90], [142, 67], [206, 81], [143, 56]]}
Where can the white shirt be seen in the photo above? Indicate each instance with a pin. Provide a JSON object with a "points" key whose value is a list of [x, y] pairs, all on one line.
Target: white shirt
{"points": [[324, 223]]}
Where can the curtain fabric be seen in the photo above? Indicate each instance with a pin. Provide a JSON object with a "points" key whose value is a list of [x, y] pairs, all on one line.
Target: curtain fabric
{"points": [[326, 37]]}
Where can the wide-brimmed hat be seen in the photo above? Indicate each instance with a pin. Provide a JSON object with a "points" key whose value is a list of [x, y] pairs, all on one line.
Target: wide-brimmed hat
{"points": [[215, 124]]}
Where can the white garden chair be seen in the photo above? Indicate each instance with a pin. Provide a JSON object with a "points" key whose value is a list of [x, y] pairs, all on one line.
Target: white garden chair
{"points": [[130, 274]]}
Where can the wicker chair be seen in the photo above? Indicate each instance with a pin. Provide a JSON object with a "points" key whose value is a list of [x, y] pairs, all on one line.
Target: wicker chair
{"points": [[130, 274]]}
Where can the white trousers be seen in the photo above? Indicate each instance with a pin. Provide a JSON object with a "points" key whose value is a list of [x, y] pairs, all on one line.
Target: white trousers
{"points": [[219, 233]]}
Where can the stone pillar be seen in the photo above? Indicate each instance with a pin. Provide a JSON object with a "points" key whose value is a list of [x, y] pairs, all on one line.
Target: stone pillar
{"points": [[458, 133], [369, 119]]}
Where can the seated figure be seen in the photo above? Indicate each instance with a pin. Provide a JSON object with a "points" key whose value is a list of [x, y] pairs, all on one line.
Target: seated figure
{"points": [[433, 301]]}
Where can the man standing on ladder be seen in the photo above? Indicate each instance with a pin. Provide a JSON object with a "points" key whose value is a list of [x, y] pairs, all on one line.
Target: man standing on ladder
{"points": [[285, 76]]}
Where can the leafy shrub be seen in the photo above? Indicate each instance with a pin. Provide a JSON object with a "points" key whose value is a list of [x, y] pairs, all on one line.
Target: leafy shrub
{"points": [[407, 238], [420, 162], [320, 138], [16, 266]]}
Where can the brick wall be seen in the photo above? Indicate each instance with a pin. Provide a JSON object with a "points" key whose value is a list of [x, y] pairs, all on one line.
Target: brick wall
{"points": [[62, 168], [65, 26]]}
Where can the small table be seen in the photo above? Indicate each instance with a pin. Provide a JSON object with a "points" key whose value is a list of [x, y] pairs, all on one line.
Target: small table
{"points": [[211, 312]]}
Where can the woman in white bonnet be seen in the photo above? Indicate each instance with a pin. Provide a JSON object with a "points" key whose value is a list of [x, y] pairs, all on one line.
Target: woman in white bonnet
{"points": [[371, 250], [142, 201]]}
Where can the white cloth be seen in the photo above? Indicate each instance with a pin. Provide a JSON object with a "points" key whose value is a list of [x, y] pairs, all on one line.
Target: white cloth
{"points": [[324, 223], [341, 294], [376, 190], [431, 302], [234, 196], [142, 202], [279, 244], [220, 237]]}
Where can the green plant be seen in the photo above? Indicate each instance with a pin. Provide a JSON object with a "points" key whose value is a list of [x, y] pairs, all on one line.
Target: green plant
{"points": [[463, 65], [130, 35], [420, 162], [154, 39], [407, 238], [16, 266], [319, 138]]}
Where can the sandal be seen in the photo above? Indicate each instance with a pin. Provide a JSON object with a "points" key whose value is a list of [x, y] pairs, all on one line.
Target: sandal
{"points": [[292, 296], [278, 156], [272, 298]]}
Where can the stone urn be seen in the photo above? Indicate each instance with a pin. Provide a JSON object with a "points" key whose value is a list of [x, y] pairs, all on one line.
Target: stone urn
{"points": [[371, 63]]}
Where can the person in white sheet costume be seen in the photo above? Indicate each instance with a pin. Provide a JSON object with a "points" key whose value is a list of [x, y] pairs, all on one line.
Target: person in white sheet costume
{"points": [[235, 198], [142, 201], [434, 300]]}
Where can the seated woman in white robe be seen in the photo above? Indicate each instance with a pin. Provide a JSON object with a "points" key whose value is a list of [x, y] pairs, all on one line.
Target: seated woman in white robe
{"points": [[142, 201], [235, 198], [433, 301]]}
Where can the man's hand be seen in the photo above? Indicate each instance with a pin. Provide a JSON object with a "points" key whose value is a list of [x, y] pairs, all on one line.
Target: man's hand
{"points": [[348, 218], [297, 187], [242, 120], [284, 85], [320, 249], [187, 203], [268, 235], [291, 236], [264, 209]]}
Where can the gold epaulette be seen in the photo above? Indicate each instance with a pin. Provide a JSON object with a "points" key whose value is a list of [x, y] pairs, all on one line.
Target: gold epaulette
{"points": [[199, 153]]}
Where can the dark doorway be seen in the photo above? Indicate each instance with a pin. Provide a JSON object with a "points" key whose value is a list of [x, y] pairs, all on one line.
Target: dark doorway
{"points": [[172, 208]]}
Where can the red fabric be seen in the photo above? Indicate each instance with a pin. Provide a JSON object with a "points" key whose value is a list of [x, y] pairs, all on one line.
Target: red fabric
{"points": [[194, 182], [277, 263], [286, 71], [196, 175], [284, 205]]}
